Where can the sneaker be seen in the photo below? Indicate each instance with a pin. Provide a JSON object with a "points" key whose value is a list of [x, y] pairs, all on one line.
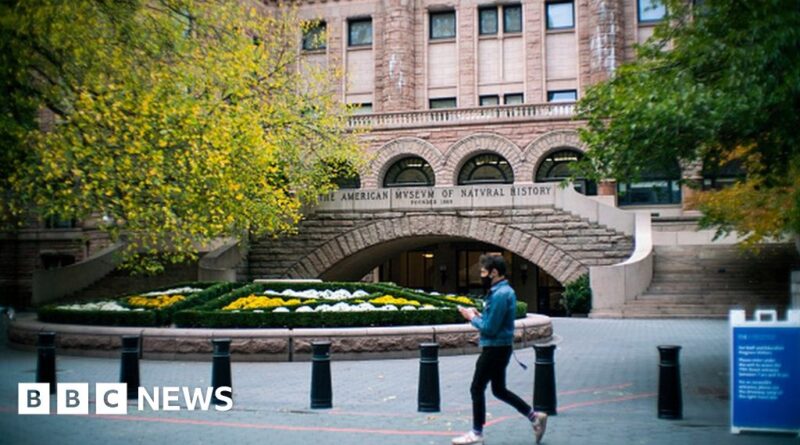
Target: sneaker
{"points": [[469, 438], [539, 426]]}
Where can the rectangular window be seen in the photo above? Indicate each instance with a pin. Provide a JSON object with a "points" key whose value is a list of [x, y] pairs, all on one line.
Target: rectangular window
{"points": [[512, 18], [560, 15], [651, 11], [445, 102], [360, 32], [363, 108], [562, 96], [488, 20], [489, 101], [443, 25], [314, 36], [650, 192], [513, 99]]}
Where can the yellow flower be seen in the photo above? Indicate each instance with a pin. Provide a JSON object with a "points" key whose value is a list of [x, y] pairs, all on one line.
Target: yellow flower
{"points": [[397, 301], [159, 302], [459, 299], [260, 302]]}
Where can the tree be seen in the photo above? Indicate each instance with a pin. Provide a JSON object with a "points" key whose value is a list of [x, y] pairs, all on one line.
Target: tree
{"points": [[178, 121], [718, 82]]}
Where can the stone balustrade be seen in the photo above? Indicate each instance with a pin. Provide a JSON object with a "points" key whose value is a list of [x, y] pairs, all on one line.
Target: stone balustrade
{"points": [[459, 116]]}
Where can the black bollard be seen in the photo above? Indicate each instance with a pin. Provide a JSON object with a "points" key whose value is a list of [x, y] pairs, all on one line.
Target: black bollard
{"points": [[129, 365], [46, 362], [321, 391], [221, 368], [544, 382], [670, 400], [428, 399]]}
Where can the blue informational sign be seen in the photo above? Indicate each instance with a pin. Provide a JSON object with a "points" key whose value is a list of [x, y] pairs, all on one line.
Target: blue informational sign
{"points": [[765, 374]]}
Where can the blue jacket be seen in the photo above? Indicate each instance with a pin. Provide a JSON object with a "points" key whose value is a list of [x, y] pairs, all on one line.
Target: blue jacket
{"points": [[496, 323]]}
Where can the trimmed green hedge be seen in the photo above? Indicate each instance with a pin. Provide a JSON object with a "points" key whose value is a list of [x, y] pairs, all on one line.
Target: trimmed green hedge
{"points": [[204, 309], [212, 315], [148, 317], [51, 314], [248, 319]]}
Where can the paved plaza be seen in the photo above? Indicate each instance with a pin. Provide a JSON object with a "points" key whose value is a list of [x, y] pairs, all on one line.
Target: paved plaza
{"points": [[606, 371]]}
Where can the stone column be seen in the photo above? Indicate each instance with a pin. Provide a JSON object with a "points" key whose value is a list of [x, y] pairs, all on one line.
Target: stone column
{"points": [[467, 57], [337, 26], [601, 39], [608, 189], [395, 64], [534, 50], [692, 182]]}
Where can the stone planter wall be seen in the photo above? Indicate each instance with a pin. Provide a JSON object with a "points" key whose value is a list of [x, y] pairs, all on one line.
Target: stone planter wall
{"points": [[268, 344]]}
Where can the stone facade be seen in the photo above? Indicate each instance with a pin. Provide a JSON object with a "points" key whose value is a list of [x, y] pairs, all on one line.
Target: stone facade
{"points": [[398, 74], [346, 246]]}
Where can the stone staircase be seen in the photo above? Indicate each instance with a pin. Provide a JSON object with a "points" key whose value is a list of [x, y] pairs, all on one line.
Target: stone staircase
{"points": [[708, 281], [590, 243], [120, 282]]}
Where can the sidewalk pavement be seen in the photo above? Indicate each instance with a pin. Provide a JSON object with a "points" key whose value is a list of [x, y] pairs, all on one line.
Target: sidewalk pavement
{"points": [[606, 374]]}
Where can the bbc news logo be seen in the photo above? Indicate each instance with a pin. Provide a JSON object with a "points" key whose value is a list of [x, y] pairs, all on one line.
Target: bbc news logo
{"points": [[111, 398]]}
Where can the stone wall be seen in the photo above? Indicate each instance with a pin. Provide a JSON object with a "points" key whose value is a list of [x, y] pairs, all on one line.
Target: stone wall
{"points": [[269, 344], [347, 245]]}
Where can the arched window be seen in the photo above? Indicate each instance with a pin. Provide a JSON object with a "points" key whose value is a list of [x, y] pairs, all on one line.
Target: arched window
{"points": [[556, 167], [412, 171], [486, 169], [656, 186]]}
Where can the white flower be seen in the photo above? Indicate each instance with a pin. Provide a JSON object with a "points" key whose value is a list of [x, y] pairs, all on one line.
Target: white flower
{"points": [[259, 311], [341, 307], [279, 309], [179, 290], [408, 308], [365, 307], [341, 294], [388, 307], [428, 307], [303, 309], [360, 294], [323, 308], [95, 306]]}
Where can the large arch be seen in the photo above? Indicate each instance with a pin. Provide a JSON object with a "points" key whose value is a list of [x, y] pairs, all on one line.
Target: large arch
{"points": [[479, 143], [545, 144], [397, 149], [362, 242]]}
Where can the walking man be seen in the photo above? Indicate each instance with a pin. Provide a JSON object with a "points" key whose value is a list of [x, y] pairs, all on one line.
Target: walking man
{"points": [[496, 326]]}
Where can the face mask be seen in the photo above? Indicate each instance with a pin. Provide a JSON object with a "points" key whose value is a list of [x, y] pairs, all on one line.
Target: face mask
{"points": [[487, 283]]}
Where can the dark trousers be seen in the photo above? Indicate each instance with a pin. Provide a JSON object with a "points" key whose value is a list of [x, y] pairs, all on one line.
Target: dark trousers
{"points": [[491, 367]]}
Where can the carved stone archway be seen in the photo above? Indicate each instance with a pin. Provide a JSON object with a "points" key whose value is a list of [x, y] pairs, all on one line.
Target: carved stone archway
{"points": [[463, 150], [554, 260], [549, 142], [396, 150]]}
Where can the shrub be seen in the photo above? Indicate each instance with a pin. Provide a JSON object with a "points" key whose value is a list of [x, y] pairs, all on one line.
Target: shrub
{"points": [[148, 317], [212, 315], [577, 296]]}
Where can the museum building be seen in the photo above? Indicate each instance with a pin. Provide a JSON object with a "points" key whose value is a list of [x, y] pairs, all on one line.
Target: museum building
{"points": [[467, 112]]}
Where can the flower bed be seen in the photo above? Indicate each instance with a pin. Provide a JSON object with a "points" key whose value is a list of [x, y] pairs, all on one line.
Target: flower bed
{"points": [[294, 305], [142, 309], [229, 305]]}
